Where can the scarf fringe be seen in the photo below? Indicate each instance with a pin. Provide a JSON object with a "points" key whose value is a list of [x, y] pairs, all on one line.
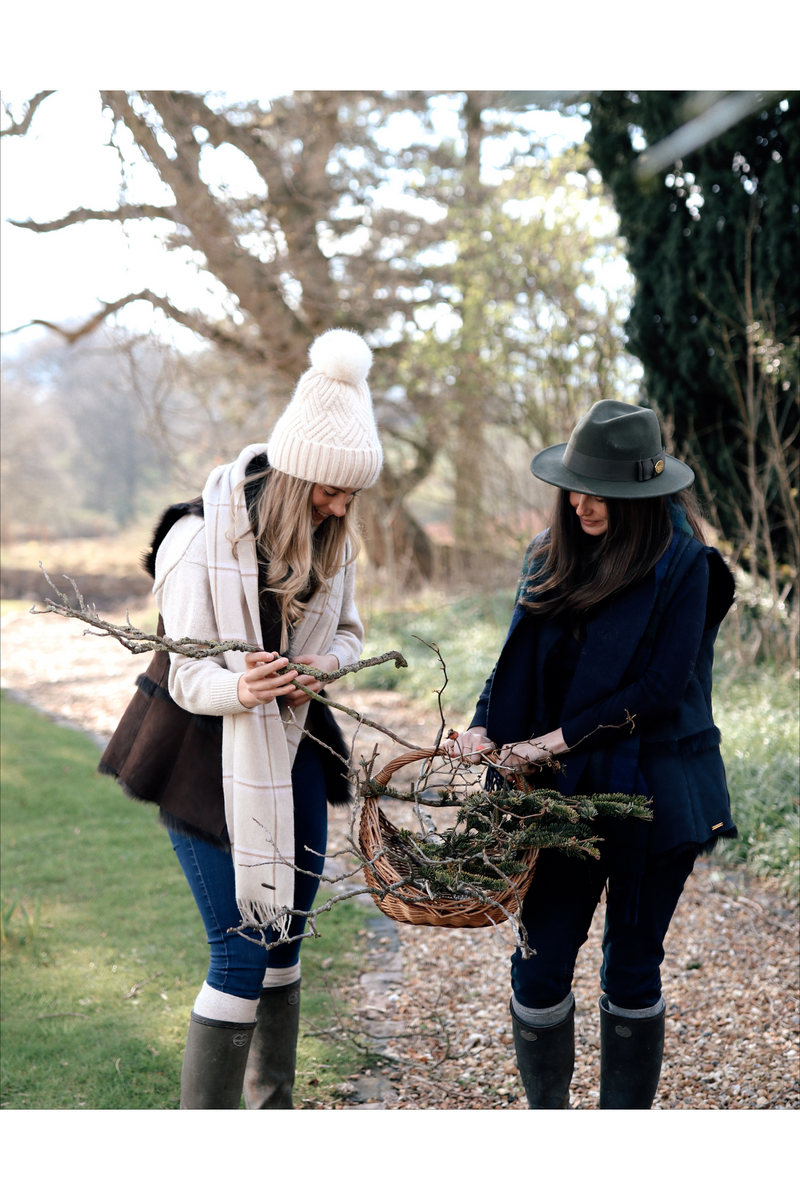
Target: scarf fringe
{"points": [[260, 915]]}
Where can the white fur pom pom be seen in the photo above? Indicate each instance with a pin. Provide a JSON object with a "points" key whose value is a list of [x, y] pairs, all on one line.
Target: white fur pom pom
{"points": [[341, 355]]}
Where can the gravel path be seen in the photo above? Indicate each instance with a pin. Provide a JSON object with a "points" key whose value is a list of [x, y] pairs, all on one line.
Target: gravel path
{"points": [[439, 998]]}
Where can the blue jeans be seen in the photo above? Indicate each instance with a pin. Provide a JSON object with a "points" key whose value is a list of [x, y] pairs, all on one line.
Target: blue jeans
{"points": [[237, 964], [558, 911]]}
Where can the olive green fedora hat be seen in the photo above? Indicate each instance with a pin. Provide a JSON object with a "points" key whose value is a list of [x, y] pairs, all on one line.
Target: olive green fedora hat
{"points": [[616, 451]]}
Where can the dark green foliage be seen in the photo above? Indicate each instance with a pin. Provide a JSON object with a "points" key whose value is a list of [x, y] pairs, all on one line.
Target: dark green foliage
{"points": [[494, 829], [677, 250]]}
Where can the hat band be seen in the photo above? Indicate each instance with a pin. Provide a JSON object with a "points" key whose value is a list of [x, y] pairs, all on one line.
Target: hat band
{"points": [[637, 470]]}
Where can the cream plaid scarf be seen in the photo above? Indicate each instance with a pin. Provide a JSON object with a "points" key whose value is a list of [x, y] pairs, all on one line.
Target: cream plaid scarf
{"points": [[258, 746]]}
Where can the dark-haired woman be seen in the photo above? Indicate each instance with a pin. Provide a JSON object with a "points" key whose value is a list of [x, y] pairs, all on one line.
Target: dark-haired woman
{"points": [[607, 669]]}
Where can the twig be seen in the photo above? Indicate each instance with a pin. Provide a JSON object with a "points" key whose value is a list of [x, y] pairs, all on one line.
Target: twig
{"points": [[129, 995], [427, 765], [351, 712], [344, 1031], [47, 1016], [307, 733], [137, 642], [453, 871]]}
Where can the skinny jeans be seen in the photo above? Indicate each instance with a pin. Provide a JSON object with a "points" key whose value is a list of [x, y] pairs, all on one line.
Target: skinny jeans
{"points": [[558, 911], [237, 964]]}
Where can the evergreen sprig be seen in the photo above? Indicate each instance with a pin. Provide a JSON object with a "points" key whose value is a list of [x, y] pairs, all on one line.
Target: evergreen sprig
{"points": [[493, 830]]}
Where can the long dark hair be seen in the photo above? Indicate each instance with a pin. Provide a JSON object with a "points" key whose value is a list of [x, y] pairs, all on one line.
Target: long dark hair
{"points": [[578, 571]]}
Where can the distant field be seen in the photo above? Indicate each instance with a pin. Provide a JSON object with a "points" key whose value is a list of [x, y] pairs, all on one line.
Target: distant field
{"points": [[112, 555]]}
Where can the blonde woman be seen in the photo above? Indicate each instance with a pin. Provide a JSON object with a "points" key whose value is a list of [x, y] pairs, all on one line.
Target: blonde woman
{"points": [[266, 556]]}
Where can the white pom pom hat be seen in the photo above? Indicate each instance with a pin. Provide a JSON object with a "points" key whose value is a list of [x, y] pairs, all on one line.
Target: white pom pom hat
{"points": [[327, 432]]}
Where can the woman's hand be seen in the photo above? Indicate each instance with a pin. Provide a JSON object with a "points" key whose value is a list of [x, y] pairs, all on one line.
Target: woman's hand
{"points": [[516, 755], [259, 684], [323, 662], [469, 745]]}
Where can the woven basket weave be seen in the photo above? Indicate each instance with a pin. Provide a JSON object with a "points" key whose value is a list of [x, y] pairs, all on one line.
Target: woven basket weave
{"points": [[411, 905]]}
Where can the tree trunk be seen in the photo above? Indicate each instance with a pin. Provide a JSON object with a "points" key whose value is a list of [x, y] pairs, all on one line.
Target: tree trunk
{"points": [[395, 540]]}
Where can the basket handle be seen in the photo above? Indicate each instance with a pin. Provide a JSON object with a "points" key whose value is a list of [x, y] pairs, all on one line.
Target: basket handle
{"points": [[519, 780], [386, 773]]}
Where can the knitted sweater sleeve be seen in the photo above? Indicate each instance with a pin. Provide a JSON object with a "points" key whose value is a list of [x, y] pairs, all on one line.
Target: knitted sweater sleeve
{"points": [[183, 597], [348, 641]]}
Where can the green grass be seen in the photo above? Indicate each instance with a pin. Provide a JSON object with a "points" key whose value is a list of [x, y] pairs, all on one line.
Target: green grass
{"points": [[94, 902], [756, 711], [469, 632], [757, 714]]}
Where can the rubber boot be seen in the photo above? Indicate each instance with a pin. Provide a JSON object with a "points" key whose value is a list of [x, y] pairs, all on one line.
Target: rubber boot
{"points": [[269, 1077], [213, 1063], [546, 1058], [631, 1051]]}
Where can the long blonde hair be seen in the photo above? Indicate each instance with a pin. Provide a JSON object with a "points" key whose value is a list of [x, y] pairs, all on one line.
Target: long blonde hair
{"points": [[299, 558]]}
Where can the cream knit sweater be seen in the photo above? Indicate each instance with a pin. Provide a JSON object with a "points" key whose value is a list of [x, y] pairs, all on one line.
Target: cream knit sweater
{"points": [[183, 597]]}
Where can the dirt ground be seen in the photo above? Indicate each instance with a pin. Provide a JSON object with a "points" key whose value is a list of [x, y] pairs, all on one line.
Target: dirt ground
{"points": [[440, 996]]}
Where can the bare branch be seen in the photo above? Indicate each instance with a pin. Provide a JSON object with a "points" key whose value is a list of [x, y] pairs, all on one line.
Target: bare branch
{"points": [[18, 128], [351, 712], [138, 642], [427, 764], [223, 336], [254, 283], [125, 212]]}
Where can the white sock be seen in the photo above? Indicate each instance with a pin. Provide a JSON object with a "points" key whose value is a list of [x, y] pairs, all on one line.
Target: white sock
{"points": [[634, 1014], [540, 1018], [219, 1006], [279, 976]]}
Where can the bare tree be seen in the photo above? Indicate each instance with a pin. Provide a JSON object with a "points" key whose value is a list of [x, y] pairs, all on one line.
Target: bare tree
{"points": [[769, 422], [323, 239]]}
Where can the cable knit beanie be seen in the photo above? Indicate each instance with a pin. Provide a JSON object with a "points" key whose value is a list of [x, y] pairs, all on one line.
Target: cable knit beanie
{"points": [[327, 432]]}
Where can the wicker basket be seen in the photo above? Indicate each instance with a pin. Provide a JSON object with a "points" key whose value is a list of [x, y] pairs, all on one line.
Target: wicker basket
{"points": [[409, 904]]}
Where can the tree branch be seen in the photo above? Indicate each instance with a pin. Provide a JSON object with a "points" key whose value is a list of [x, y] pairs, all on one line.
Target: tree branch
{"points": [[125, 212], [221, 336], [211, 223], [18, 128], [138, 642]]}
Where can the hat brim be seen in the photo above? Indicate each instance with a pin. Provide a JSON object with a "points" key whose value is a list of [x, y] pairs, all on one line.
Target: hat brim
{"points": [[548, 465]]}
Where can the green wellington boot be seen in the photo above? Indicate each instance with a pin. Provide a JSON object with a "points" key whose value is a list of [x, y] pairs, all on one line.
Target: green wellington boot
{"points": [[546, 1058], [213, 1063], [631, 1051], [269, 1077]]}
